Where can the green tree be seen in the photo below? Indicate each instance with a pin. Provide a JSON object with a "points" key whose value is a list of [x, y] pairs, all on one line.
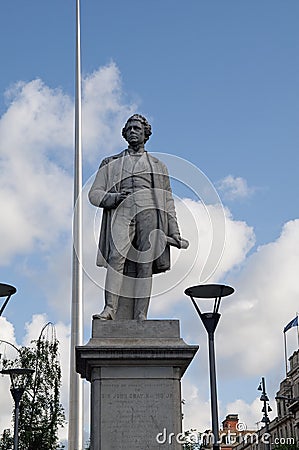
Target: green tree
{"points": [[41, 412], [293, 446], [192, 440], [6, 441]]}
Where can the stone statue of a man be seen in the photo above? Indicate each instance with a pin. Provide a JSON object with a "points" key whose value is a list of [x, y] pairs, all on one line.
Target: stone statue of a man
{"points": [[138, 224]]}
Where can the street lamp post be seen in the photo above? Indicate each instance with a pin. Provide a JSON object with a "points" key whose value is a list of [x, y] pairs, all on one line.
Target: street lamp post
{"points": [[210, 321], [6, 290], [266, 407], [19, 379]]}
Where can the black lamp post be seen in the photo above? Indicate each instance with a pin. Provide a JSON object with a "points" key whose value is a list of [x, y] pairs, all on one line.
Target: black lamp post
{"points": [[6, 290], [266, 407], [210, 321], [19, 379]]}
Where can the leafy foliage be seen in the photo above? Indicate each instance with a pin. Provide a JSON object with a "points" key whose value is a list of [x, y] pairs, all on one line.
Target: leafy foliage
{"points": [[41, 413], [192, 440], [6, 441], [294, 446]]}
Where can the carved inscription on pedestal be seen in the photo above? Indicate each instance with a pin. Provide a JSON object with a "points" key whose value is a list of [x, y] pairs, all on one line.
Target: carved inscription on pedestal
{"points": [[138, 411]]}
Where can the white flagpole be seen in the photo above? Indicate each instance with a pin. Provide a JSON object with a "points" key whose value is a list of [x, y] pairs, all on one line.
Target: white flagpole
{"points": [[285, 353], [75, 431]]}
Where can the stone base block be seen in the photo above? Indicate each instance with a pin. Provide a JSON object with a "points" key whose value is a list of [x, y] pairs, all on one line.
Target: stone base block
{"points": [[135, 370]]}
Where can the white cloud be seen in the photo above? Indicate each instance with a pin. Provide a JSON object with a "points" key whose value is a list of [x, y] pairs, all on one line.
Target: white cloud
{"points": [[195, 221], [34, 328], [36, 148], [7, 351], [103, 113], [40, 117], [7, 403], [36, 138], [34, 191], [249, 338], [266, 299], [196, 410], [234, 188], [249, 413]]}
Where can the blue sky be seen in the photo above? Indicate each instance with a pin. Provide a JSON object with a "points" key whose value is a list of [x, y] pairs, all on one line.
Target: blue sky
{"points": [[230, 68], [218, 80]]}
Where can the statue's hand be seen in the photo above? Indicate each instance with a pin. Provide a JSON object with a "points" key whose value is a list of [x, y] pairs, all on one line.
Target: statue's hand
{"points": [[178, 241], [121, 196], [184, 243]]}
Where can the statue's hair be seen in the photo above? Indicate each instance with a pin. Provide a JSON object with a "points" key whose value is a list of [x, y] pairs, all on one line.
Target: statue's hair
{"points": [[143, 120]]}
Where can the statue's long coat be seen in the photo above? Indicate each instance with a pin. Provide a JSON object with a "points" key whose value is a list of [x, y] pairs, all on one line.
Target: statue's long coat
{"points": [[102, 194]]}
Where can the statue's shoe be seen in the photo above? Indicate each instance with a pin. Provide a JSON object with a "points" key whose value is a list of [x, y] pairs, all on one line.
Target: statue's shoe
{"points": [[141, 317], [106, 314]]}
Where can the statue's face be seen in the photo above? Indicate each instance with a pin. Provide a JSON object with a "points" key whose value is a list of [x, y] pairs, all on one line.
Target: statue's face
{"points": [[135, 133]]}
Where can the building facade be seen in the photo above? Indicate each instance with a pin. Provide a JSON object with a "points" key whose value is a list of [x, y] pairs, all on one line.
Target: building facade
{"points": [[283, 431]]}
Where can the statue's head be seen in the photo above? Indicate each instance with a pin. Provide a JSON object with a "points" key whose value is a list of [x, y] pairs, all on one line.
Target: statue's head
{"points": [[146, 126]]}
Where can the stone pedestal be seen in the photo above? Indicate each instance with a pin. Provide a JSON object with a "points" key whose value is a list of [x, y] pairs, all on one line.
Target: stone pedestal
{"points": [[135, 370]]}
